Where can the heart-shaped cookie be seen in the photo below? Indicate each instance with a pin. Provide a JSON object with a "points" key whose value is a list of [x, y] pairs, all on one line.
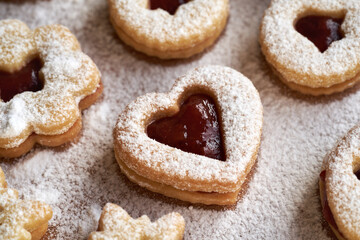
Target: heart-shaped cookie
{"points": [[183, 175], [147, 27], [313, 45]]}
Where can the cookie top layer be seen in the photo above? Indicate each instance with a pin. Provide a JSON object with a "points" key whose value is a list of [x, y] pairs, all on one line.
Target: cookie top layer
{"points": [[296, 58], [342, 185], [115, 223], [193, 22], [240, 111], [18, 218], [68, 74]]}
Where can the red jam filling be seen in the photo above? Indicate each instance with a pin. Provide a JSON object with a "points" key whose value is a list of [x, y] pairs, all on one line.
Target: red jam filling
{"points": [[357, 174], [27, 79], [168, 5], [321, 30], [195, 128]]}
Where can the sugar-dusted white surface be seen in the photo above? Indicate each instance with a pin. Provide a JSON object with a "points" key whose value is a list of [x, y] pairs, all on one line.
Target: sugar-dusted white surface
{"points": [[282, 200]]}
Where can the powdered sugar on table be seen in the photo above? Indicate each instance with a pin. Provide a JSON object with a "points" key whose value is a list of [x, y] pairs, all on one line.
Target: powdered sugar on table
{"points": [[282, 199]]}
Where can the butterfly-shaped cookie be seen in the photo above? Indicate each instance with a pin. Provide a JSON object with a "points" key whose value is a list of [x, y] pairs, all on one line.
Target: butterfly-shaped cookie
{"points": [[115, 223]]}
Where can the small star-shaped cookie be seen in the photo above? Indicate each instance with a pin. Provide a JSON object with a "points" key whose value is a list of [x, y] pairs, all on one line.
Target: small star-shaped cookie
{"points": [[115, 223], [21, 219]]}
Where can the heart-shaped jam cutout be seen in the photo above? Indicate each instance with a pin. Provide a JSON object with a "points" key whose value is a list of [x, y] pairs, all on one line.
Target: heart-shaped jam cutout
{"points": [[26, 79], [195, 128], [168, 5], [321, 30]]}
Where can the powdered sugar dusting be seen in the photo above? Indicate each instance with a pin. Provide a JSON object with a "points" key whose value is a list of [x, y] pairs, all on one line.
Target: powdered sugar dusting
{"points": [[282, 200], [13, 118], [16, 45]]}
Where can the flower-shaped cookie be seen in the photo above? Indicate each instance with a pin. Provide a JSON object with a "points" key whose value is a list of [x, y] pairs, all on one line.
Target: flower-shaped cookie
{"points": [[21, 219], [71, 82], [115, 223], [194, 26], [188, 175], [340, 187], [313, 45]]}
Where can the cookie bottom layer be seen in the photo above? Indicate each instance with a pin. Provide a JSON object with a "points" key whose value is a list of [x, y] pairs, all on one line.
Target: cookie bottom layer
{"points": [[321, 90], [184, 52], [53, 140], [335, 231], [39, 232], [169, 191]]}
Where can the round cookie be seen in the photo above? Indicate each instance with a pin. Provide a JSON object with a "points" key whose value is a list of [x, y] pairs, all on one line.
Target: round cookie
{"points": [[183, 174], [294, 57], [194, 26], [340, 187], [50, 115]]}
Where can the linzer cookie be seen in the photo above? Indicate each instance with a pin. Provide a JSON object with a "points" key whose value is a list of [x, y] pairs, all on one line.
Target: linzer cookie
{"points": [[313, 45], [340, 187], [45, 82], [196, 143], [21, 219], [169, 29], [115, 223]]}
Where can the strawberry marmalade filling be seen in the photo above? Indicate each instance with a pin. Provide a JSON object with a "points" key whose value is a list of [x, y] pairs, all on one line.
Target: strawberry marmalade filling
{"points": [[195, 128], [168, 5], [26, 79], [320, 30]]}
